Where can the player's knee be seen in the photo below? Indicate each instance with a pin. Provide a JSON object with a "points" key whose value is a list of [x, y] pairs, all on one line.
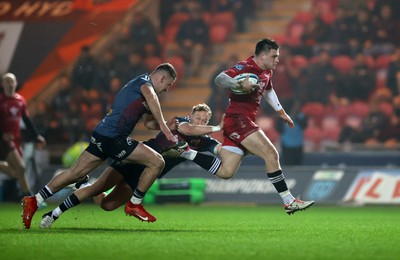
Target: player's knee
{"points": [[224, 174], [275, 155], [159, 162], [107, 206], [226, 177], [271, 155]]}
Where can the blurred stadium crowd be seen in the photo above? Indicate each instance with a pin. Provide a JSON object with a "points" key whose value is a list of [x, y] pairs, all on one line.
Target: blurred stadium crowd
{"points": [[340, 60]]}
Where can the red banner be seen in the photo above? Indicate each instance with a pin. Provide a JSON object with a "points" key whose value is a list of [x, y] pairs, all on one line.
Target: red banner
{"points": [[41, 10]]}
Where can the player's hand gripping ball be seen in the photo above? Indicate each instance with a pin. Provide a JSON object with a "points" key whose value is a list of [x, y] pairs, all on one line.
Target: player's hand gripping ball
{"points": [[240, 78]]}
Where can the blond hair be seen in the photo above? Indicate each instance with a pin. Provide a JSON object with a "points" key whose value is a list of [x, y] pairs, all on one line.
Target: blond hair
{"points": [[202, 107]]}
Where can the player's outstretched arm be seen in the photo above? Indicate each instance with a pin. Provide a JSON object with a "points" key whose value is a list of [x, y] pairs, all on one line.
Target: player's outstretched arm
{"points": [[188, 129], [155, 108], [152, 124], [273, 100]]}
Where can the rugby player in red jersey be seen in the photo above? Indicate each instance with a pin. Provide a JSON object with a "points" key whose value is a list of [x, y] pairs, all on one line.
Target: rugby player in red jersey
{"points": [[13, 108], [241, 134]]}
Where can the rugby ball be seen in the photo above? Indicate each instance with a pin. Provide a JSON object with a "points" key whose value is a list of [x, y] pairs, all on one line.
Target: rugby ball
{"points": [[253, 78]]}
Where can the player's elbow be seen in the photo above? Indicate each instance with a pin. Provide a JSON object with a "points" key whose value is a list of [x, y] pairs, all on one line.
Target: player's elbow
{"points": [[219, 80]]}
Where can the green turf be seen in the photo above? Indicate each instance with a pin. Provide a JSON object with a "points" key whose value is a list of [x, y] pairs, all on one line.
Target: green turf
{"points": [[206, 232]]}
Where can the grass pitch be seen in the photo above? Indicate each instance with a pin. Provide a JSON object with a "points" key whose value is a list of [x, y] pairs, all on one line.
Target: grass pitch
{"points": [[206, 232]]}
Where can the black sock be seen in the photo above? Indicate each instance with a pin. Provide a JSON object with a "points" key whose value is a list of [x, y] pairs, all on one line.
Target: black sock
{"points": [[69, 202], [45, 193], [278, 180], [139, 194], [208, 162]]}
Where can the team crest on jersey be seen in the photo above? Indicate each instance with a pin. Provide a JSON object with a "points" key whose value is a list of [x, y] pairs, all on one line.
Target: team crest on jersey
{"points": [[234, 135], [129, 141], [14, 111], [239, 67], [145, 77]]}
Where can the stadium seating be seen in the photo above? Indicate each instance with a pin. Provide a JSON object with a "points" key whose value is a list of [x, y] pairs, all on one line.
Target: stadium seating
{"points": [[343, 63], [314, 110], [294, 32], [299, 61], [312, 136], [331, 128], [359, 108], [218, 34], [225, 19], [386, 108], [179, 65], [382, 62], [304, 17], [152, 62]]}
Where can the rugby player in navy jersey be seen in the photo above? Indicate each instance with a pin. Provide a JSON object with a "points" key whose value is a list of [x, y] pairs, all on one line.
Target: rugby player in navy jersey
{"points": [[111, 139], [125, 177]]}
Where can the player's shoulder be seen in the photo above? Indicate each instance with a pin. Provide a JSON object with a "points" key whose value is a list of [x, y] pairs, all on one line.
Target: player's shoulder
{"points": [[241, 65], [139, 81], [19, 97], [183, 119], [247, 66]]}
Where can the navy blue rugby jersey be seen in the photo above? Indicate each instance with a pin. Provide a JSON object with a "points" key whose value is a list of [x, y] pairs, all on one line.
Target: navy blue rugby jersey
{"points": [[128, 107], [201, 143]]}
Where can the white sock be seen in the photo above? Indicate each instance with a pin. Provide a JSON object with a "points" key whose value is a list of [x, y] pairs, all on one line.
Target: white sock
{"points": [[287, 197], [84, 185], [189, 154], [56, 212], [136, 200], [39, 198]]}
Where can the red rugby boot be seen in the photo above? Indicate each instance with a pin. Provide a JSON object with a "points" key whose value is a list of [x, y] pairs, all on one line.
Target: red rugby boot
{"points": [[29, 207], [137, 211]]}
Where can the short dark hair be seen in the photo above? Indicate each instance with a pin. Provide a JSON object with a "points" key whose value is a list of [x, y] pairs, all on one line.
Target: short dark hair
{"points": [[168, 68], [265, 45]]}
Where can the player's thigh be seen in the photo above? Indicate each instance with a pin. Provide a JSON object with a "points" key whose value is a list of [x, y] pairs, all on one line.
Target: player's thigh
{"points": [[15, 160], [259, 144], [230, 161], [108, 179], [85, 164], [145, 155]]}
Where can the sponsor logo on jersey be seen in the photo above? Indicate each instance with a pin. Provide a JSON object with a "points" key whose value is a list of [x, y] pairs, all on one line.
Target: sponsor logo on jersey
{"points": [[129, 141], [239, 67], [145, 77], [121, 154], [234, 135], [93, 141]]}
